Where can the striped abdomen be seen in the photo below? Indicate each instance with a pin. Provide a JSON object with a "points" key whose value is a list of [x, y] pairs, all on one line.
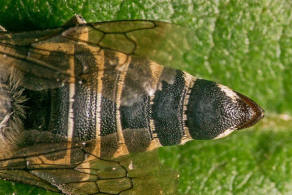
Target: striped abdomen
{"points": [[131, 104], [126, 103]]}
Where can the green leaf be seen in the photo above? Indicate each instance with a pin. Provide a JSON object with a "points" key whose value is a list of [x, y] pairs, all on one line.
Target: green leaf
{"points": [[246, 45], [257, 161]]}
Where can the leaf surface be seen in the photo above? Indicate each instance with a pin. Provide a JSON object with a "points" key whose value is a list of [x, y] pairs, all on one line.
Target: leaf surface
{"points": [[246, 45]]}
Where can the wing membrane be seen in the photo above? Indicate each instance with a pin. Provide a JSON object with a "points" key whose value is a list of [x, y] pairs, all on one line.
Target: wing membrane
{"points": [[45, 57], [51, 164], [161, 42], [39, 69]]}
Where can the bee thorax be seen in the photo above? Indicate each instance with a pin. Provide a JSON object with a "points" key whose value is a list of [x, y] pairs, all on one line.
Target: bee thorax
{"points": [[11, 108], [5, 105]]}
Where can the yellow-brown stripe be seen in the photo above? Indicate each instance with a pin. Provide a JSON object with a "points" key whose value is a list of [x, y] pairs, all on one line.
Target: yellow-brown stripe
{"points": [[189, 83], [156, 71], [83, 35], [124, 62], [100, 63]]}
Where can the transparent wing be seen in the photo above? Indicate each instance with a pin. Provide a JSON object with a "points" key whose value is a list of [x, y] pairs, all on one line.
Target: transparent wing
{"points": [[40, 68], [52, 165], [46, 57], [161, 42], [49, 59]]}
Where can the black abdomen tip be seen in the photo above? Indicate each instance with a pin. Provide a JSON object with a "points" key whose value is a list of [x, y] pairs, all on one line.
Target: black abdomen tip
{"points": [[215, 111]]}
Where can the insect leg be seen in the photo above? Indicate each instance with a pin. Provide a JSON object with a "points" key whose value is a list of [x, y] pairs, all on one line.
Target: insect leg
{"points": [[2, 29], [75, 21]]}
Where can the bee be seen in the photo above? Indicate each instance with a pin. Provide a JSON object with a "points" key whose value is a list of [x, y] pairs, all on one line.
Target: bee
{"points": [[76, 99]]}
